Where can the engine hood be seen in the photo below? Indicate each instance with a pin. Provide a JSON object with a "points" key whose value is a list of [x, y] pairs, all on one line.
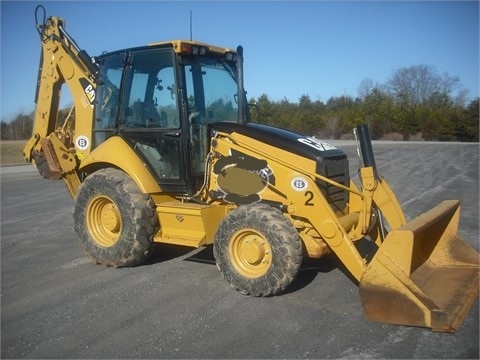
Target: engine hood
{"points": [[296, 143]]}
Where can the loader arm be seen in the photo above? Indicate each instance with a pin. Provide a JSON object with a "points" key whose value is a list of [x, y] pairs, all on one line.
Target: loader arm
{"points": [[419, 273], [58, 145]]}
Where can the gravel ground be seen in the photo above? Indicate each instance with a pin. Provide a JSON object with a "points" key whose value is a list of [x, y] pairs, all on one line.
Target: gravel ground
{"points": [[55, 303]]}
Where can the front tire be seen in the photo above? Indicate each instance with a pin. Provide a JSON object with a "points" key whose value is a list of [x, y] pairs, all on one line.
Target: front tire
{"points": [[114, 220], [257, 250]]}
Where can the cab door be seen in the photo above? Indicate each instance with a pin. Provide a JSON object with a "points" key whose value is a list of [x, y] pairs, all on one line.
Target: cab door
{"points": [[150, 119]]}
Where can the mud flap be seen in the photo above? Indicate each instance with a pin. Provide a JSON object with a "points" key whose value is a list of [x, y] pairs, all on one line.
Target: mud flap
{"points": [[424, 274]]}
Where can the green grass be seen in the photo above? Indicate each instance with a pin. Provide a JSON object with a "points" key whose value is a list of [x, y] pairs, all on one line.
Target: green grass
{"points": [[11, 152]]}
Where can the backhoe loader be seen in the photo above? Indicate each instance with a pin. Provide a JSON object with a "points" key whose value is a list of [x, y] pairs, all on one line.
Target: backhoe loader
{"points": [[158, 148]]}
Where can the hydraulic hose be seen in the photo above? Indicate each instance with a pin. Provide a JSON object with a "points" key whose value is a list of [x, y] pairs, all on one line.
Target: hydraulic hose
{"points": [[41, 26]]}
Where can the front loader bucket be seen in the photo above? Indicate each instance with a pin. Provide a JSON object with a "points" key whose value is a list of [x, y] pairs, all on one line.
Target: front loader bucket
{"points": [[423, 274]]}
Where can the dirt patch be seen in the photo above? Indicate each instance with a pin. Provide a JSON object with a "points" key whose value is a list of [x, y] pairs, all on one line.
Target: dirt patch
{"points": [[11, 152]]}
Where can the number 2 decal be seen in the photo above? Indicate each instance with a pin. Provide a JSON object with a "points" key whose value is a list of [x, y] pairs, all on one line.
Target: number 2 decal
{"points": [[309, 201]]}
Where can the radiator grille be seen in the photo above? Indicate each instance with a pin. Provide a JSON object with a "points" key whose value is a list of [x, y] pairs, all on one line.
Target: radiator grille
{"points": [[335, 168]]}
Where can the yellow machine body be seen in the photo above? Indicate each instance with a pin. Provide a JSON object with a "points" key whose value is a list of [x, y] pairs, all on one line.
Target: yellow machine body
{"points": [[188, 173]]}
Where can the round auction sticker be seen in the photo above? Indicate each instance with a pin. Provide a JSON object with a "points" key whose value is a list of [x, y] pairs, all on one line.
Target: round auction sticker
{"points": [[299, 184], [82, 142]]}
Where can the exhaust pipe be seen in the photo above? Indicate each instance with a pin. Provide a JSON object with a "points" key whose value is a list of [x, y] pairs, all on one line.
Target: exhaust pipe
{"points": [[242, 98], [364, 143]]}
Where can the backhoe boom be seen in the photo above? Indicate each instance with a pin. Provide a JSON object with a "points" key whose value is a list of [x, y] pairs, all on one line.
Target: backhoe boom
{"points": [[57, 145]]}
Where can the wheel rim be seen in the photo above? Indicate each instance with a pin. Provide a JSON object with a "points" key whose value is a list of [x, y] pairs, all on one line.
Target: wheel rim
{"points": [[104, 221], [250, 253]]}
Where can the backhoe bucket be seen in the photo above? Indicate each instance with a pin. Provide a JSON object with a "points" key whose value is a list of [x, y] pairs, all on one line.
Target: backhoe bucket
{"points": [[423, 274]]}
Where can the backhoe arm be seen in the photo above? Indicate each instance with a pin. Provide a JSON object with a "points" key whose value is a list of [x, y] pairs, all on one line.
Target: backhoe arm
{"points": [[57, 147]]}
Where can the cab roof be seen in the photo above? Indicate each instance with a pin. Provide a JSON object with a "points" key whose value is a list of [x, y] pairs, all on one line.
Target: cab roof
{"points": [[179, 46]]}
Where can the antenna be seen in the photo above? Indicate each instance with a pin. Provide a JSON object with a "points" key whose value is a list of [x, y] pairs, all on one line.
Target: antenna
{"points": [[191, 25]]}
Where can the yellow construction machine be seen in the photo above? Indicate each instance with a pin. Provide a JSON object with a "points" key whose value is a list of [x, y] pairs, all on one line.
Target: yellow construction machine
{"points": [[158, 148]]}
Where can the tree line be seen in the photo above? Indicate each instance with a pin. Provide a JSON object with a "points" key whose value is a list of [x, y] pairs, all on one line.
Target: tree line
{"points": [[416, 103]]}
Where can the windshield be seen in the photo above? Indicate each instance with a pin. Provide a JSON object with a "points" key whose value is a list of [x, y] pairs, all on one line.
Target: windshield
{"points": [[211, 89], [211, 97]]}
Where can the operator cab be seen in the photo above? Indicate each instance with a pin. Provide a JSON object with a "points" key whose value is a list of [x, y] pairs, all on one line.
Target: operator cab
{"points": [[162, 100]]}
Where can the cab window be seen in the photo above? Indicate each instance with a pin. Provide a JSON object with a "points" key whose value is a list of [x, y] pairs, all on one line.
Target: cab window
{"points": [[150, 99], [107, 97]]}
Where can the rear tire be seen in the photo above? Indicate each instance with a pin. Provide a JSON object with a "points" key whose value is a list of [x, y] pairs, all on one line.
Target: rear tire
{"points": [[114, 220], [257, 250]]}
